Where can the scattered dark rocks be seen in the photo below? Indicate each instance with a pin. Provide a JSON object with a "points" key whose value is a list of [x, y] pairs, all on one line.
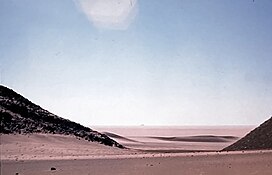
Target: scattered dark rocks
{"points": [[258, 139], [21, 116]]}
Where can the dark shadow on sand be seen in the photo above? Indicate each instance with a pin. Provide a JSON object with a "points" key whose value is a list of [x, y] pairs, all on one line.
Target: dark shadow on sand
{"points": [[116, 136]]}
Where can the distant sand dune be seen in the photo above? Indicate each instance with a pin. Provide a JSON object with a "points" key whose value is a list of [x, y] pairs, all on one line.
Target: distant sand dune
{"points": [[199, 138], [180, 144], [174, 150]]}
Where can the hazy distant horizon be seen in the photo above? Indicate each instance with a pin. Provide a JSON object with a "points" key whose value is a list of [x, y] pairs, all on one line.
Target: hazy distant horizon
{"points": [[133, 62]]}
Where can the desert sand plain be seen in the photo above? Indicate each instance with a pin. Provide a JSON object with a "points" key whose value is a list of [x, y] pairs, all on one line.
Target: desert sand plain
{"points": [[155, 150]]}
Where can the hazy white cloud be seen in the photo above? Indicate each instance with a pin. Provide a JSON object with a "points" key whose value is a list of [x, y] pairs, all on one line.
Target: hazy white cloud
{"points": [[112, 14]]}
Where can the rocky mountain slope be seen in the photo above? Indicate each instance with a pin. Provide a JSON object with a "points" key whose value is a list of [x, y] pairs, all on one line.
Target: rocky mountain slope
{"points": [[258, 139], [19, 115]]}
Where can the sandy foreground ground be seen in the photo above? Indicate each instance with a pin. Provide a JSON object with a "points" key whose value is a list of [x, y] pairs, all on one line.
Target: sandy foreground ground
{"points": [[38, 153]]}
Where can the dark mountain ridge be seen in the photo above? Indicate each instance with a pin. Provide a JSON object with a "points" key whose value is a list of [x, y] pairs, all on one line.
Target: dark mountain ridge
{"points": [[258, 139], [21, 116]]}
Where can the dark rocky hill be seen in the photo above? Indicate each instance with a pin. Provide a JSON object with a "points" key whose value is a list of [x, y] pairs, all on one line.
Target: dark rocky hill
{"points": [[19, 115], [258, 139]]}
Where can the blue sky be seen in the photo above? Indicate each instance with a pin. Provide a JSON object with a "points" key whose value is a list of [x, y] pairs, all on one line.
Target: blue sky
{"points": [[155, 62]]}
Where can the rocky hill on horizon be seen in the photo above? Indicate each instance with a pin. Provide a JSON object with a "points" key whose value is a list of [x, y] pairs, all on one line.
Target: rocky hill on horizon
{"points": [[258, 139], [21, 116]]}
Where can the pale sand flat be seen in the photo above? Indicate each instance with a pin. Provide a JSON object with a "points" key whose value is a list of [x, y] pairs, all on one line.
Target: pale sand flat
{"points": [[36, 154], [211, 164]]}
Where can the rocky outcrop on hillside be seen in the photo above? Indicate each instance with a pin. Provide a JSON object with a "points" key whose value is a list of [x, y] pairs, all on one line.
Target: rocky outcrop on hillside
{"points": [[258, 139], [21, 116]]}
